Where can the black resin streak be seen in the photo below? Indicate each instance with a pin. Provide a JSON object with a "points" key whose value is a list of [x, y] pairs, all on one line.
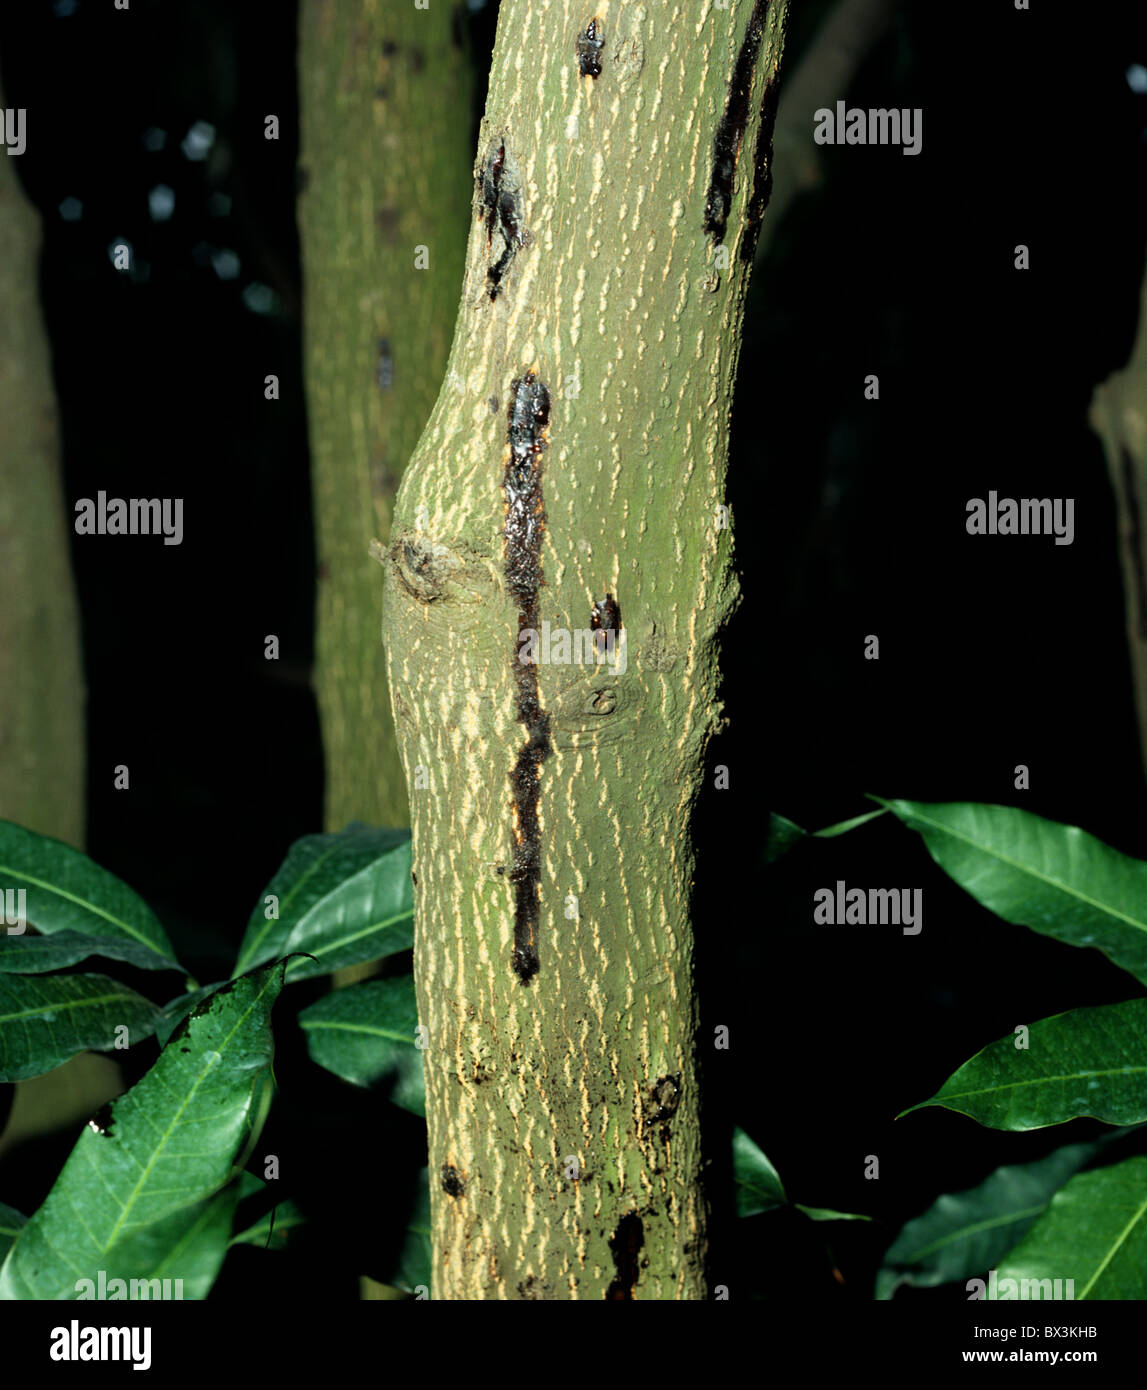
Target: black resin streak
{"points": [[528, 414], [664, 1098], [625, 1245], [731, 127], [452, 1183], [1135, 536], [588, 48], [762, 172], [605, 616], [502, 211], [491, 186]]}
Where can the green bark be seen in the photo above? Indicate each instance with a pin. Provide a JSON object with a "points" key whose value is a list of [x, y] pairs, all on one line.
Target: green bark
{"points": [[563, 1112], [41, 677], [385, 93]]}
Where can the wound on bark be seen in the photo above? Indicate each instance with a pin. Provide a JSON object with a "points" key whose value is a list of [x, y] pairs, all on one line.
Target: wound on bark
{"points": [[625, 1245], [589, 46], [731, 126], [528, 416], [605, 616], [502, 209], [661, 1106], [762, 170]]}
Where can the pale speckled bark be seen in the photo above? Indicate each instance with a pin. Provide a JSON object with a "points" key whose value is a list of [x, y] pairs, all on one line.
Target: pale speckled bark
{"points": [[385, 93], [617, 303], [41, 677], [1119, 417]]}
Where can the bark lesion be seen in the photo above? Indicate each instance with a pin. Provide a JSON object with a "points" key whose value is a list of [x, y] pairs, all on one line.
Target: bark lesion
{"points": [[529, 415]]}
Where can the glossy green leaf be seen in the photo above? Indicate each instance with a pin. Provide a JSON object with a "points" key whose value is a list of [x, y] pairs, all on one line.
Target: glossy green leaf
{"points": [[44, 1020], [964, 1234], [189, 1246], [273, 1230], [263, 1221], [782, 834], [365, 1034], [146, 1191], [1088, 1062], [344, 899], [66, 892], [1054, 878], [827, 1214], [10, 1223], [1094, 1232], [176, 1010], [759, 1186], [31, 954]]}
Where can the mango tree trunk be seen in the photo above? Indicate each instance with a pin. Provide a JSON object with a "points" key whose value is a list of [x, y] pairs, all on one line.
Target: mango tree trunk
{"points": [[572, 478], [383, 157], [41, 675]]}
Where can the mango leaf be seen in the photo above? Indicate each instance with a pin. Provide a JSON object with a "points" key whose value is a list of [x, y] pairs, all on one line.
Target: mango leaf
{"points": [[32, 954], [344, 898], [365, 1034], [176, 1010], [827, 1214], [275, 1222], [190, 1246], [1087, 1062], [10, 1222], [45, 1020], [64, 891], [1094, 1232], [1053, 878], [782, 834], [759, 1186], [965, 1233], [146, 1192]]}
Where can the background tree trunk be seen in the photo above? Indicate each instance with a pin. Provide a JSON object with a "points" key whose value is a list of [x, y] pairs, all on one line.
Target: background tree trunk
{"points": [[385, 99], [41, 677], [1119, 416], [616, 217], [840, 46]]}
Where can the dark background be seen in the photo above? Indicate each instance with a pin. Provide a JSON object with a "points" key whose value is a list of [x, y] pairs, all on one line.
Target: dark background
{"points": [[849, 520]]}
